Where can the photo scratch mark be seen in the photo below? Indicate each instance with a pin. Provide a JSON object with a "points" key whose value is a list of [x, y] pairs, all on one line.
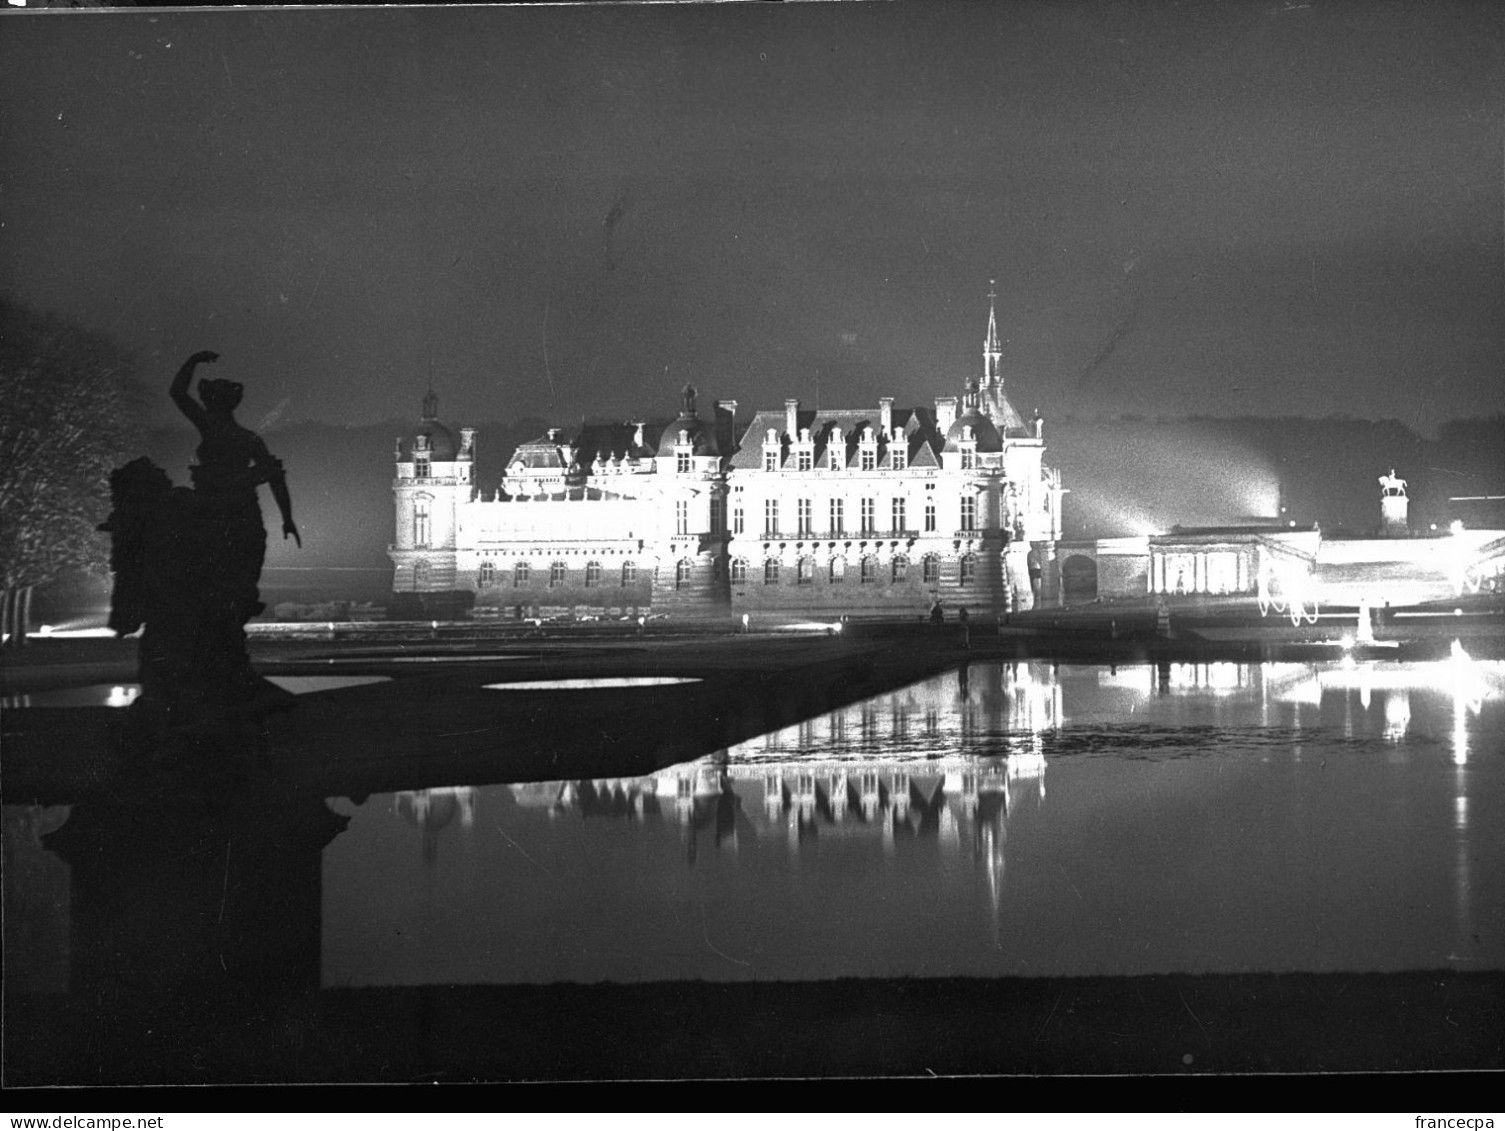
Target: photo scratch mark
{"points": [[1070, 881], [1049, 1015], [524, 852], [706, 935], [1194, 1017]]}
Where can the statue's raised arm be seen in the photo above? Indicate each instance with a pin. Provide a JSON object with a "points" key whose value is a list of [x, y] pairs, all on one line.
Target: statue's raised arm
{"points": [[179, 389]]}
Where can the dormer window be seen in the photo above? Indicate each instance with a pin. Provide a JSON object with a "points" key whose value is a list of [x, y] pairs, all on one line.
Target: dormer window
{"points": [[421, 467], [969, 459], [804, 459], [682, 462], [869, 458], [770, 459], [898, 459]]}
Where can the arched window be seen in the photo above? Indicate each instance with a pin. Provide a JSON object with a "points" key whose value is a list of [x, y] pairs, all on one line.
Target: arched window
{"points": [[900, 569], [805, 571], [869, 570], [930, 570], [682, 573], [420, 575], [558, 572], [592, 574], [422, 526], [629, 573], [522, 572], [739, 571], [486, 575], [968, 569], [838, 570], [771, 571]]}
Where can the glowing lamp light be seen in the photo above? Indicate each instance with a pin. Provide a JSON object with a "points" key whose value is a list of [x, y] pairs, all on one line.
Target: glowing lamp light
{"points": [[122, 696]]}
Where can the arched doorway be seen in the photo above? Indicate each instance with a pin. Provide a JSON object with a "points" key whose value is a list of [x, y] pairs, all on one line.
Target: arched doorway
{"points": [[1078, 579]]}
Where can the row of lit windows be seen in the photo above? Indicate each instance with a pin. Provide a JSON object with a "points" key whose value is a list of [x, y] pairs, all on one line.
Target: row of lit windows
{"points": [[867, 459], [488, 575], [836, 571], [804, 517], [867, 516]]}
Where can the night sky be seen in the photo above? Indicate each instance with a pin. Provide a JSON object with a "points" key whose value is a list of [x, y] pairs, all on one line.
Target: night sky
{"points": [[1216, 208]]}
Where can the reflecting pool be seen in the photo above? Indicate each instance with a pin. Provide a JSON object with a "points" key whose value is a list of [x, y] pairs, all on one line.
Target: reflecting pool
{"points": [[1007, 819]]}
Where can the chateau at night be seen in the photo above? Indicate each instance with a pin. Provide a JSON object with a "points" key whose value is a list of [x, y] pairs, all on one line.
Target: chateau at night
{"points": [[873, 510]]}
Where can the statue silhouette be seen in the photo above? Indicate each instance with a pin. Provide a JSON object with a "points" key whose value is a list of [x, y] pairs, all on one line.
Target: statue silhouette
{"points": [[187, 567], [233, 461]]}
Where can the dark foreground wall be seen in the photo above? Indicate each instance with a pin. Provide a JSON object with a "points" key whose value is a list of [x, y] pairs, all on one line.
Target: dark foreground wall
{"points": [[1162, 1025]]}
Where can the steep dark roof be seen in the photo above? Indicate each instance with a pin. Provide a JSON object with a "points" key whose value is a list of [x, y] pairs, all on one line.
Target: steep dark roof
{"points": [[912, 427], [983, 431]]}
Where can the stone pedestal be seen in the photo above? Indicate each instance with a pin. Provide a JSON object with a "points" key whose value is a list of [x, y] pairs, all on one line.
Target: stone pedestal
{"points": [[1394, 522]]}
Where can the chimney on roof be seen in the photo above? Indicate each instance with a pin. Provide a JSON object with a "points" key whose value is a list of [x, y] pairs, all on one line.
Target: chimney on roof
{"points": [[945, 414], [886, 416], [792, 418], [726, 425]]}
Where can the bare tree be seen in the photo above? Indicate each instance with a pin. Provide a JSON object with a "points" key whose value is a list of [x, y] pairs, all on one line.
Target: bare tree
{"points": [[67, 406]]}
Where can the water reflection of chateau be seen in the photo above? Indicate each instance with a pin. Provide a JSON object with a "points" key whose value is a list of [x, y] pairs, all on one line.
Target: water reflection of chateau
{"points": [[431, 810], [872, 772], [949, 760], [887, 801]]}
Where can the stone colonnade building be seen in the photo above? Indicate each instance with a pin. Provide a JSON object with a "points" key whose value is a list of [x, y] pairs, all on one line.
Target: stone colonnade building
{"points": [[880, 511]]}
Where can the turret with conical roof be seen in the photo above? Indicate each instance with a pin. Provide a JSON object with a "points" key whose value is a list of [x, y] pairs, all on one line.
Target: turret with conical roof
{"points": [[435, 475]]}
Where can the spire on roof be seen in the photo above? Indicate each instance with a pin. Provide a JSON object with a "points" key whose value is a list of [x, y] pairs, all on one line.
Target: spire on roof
{"points": [[992, 352]]}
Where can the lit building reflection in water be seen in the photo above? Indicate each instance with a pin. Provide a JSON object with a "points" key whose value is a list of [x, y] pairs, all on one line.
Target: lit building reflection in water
{"points": [[433, 810], [873, 771], [1397, 714]]}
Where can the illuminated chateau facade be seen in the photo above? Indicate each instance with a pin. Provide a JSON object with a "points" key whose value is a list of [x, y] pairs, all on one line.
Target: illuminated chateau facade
{"points": [[848, 512]]}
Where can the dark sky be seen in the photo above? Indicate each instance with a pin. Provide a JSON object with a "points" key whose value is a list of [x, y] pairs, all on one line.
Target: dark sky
{"points": [[1222, 208]]}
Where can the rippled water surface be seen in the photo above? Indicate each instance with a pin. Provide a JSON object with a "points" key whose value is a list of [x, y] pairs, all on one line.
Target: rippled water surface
{"points": [[1009, 819]]}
